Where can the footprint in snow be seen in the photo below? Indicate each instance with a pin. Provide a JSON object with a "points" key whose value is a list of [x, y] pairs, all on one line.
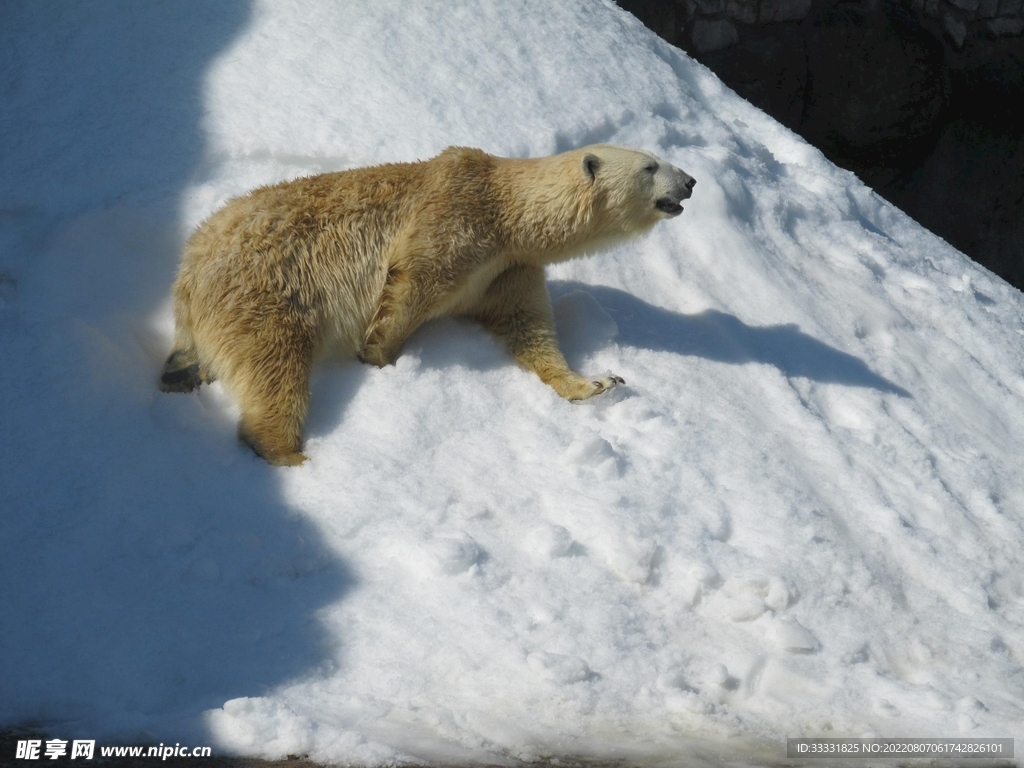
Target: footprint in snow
{"points": [[747, 599], [594, 452], [549, 542], [793, 637], [452, 556], [701, 579], [558, 668]]}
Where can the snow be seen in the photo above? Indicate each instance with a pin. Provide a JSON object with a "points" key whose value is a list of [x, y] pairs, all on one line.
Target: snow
{"points": [[801, 516]]}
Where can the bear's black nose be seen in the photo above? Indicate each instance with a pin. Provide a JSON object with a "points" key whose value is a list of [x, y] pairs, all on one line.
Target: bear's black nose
{"points": [[691, 183]]}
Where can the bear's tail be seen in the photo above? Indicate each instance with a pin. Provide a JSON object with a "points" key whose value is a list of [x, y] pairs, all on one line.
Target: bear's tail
{"points": [[181, 371]]}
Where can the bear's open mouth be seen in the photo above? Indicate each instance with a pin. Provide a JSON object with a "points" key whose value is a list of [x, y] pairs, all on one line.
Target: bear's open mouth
{"points": [[669, 206]]}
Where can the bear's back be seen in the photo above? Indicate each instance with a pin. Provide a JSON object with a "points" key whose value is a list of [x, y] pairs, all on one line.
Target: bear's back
{"points": [[318, 243]]}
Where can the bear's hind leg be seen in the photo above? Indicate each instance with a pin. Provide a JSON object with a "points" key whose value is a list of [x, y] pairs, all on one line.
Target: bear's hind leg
{"points": [[273, 393], [181, 371]]}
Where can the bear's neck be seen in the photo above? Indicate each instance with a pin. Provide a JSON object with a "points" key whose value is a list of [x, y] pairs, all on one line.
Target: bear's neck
{"points": [[547, 217]]}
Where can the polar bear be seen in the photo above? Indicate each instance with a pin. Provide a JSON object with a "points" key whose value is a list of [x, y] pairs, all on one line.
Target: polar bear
{"points": [[351, 263]]}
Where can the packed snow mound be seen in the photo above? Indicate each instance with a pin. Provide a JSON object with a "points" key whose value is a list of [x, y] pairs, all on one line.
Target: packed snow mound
{"points": [[801, 516]]}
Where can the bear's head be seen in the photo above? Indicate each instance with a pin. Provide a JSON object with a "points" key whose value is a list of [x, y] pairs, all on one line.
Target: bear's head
{"points": [[632, 189]]}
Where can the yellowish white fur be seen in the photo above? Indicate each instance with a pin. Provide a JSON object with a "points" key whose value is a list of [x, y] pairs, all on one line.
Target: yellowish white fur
{"points": [[351, 263]]}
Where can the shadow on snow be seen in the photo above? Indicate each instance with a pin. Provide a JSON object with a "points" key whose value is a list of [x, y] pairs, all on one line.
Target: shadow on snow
{"points": [[152, 568], [724, 338]]}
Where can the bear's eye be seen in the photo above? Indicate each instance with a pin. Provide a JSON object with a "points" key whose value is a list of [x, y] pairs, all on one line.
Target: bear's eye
{"points": [[651, 167]]}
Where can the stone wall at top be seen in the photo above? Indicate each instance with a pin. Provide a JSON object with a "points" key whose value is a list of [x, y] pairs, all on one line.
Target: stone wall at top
{"points": [[918, 97], [711, 24]]}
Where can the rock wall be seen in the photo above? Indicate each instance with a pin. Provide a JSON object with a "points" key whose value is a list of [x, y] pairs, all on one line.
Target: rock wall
{"points": [[918, 97]]}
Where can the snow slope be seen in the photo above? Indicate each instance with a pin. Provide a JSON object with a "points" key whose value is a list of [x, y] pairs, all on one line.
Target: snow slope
{"points": [[803, 515]]}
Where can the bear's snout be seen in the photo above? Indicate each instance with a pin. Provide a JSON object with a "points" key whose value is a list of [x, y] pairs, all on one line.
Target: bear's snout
{"points": [[685, 185], [681, 189]]}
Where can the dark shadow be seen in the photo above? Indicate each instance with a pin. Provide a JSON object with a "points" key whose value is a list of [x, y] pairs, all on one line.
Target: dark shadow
{"points": [[103, 100], [151, 566], [722, 337]]}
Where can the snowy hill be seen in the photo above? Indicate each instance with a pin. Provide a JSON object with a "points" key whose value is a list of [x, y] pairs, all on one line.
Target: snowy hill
{"points": [[803, 515]]}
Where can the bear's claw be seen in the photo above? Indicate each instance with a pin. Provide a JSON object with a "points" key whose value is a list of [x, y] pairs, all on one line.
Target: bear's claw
{"points": [[601, 385]]}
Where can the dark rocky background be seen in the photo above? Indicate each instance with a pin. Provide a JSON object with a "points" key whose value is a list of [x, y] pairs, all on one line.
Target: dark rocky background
{"points": [[922, 99]]}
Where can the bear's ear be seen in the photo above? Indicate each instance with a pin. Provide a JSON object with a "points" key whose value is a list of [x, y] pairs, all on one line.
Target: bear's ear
{"points": [[590, 165]]}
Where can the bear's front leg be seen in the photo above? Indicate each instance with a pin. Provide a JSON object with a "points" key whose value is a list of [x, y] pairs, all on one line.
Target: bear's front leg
{"points": [[517, 309], [375, 353], [404, 304], [397, 316]]}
